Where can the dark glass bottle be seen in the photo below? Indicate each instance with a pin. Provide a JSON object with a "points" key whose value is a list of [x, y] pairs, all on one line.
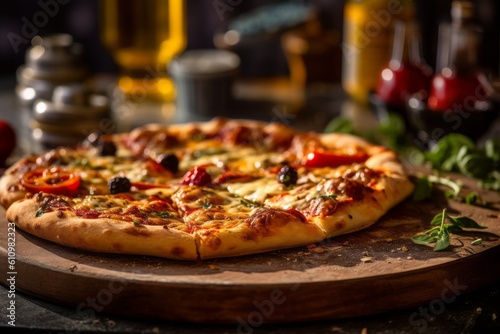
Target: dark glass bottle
{"points": [[459, 83], [406, 73]]}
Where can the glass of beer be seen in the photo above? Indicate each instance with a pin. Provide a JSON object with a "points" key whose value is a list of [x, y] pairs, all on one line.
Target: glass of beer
{"points": [[143, 36]]}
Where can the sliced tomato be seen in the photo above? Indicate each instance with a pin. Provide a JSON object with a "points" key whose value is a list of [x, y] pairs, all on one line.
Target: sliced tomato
{"points": [[319, 159], [54, 180]]}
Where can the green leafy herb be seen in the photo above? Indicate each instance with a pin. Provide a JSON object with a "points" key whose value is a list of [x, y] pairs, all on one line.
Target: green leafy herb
{"points": [[472, 198], [440, 233], [250, 204], [424, 185], [423, 189], [207, 152], [340, 125], [477, 242], [137, 223], [206, 205], [41, 210], [457, 153], [327, 197], [162, 214]]}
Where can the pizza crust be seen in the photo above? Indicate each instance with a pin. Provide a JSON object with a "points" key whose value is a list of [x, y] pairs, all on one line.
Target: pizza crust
{"points": [[9, 191], [265, 230], [103, 235]]}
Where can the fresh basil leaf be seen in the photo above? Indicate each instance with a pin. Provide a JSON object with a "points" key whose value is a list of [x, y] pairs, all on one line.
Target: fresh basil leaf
{"points": [[438, 219], [443, 240], [433, 231], [423, 239], [465, 222], [454, 229]]}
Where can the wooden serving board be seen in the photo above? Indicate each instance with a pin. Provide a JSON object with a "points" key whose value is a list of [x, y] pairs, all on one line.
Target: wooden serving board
{"points": [[372, 271]]}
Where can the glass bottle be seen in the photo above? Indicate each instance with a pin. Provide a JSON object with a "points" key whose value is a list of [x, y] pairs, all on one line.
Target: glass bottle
{"points": [[143, 37], [368, 26], [458, 83], [406, 73]]}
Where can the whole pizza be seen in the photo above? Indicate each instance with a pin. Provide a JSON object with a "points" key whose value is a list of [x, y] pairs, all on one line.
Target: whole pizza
{"points": [[203, 190]]}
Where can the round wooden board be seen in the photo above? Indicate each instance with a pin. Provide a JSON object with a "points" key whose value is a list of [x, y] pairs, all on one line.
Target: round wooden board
{"points": [[375, 270]]}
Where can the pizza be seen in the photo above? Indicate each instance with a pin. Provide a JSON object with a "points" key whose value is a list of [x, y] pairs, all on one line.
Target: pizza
{"points": [[203, 190]]}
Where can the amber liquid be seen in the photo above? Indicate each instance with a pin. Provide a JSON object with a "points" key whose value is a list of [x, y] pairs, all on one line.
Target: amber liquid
{"points": [[368, 26], [143, 36]]}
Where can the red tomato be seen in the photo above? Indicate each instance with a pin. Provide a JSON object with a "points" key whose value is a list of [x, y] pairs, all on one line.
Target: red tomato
{"points": [[318, 159], [7, 141], [197, 176], [55, 180]]}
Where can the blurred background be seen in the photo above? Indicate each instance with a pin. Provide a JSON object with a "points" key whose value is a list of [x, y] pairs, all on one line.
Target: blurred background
{"points": [[80, 18]]}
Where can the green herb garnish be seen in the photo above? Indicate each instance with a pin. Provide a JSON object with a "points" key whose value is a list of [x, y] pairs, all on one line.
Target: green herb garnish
{"points": [[476, 242], [327, 197], [41, 210], [440, 234], [162, 214], [137, 223], [457, 153], [206, 205], [250, 204]]}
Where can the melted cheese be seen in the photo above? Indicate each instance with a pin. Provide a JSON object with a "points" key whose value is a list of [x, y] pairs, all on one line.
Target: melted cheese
{"points": [[99, 202], [258, 190]]}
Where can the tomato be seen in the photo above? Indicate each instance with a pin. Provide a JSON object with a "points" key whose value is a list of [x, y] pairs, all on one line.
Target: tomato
{"points": [[197, 176], [318, 159], [55, 180]]}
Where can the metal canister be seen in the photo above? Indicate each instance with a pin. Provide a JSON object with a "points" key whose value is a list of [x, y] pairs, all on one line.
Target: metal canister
{"points": [[56, 106], [73, 112]]}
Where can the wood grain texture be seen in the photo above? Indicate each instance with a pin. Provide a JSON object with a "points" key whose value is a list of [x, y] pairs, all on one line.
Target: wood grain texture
{"points": [[375, 270]]}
